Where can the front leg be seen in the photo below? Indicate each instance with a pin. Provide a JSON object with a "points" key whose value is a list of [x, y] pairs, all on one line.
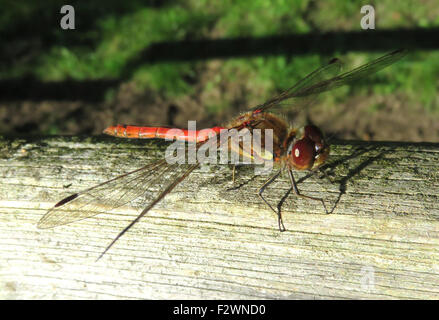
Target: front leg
{"points": [[297, 192]]}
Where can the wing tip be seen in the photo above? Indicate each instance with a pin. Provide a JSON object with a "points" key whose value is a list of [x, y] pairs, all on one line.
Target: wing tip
{"points": [[401, 52], [44, 222], [65, 200]]}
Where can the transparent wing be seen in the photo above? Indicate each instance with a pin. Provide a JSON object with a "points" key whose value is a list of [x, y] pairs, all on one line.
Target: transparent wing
{"points": [[332, 69], [152, 182], [321, 80]]}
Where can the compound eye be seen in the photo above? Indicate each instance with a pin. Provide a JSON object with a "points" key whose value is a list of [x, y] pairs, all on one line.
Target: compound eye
{"points": [[303, 154], [314, 133]]}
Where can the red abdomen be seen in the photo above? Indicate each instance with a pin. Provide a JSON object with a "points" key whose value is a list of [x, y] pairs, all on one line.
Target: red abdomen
{"points": [[123, 131]]}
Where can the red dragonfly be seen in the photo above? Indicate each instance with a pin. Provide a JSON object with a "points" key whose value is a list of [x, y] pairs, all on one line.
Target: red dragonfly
{"points": [[302, 149]]}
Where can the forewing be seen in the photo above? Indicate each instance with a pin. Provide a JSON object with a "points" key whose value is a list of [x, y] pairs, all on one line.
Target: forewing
{"points": [[150, 182], [353, 75], [319, 75], [321, 80]]}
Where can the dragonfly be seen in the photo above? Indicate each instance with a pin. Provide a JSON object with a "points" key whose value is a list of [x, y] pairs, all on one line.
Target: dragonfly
{"points": [[293, 149]]}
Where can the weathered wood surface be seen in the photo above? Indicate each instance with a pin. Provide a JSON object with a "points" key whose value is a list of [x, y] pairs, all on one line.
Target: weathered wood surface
{"points": [[209, 239]]}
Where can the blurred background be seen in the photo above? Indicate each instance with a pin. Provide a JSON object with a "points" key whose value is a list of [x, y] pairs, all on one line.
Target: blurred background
{"points": [[166, 62]]}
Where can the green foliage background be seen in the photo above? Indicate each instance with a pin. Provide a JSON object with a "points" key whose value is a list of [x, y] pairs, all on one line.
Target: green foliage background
{"points": [[110, 34]]}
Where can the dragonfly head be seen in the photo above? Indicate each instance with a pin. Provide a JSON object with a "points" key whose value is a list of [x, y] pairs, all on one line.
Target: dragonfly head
{"points": [[308, 149]]}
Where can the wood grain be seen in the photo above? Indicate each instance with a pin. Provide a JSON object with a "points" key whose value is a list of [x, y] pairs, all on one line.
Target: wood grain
{"points": [[210, 239]]}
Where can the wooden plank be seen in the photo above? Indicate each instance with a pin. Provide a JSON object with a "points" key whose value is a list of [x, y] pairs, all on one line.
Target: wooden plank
{"points": [[212, 239]]}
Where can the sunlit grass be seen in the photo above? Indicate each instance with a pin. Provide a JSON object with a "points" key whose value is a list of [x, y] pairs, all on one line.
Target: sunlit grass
{"points": [[118, 39]]}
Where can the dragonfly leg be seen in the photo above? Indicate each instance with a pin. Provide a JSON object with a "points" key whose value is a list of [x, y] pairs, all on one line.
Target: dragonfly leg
{"points": [[297, 192], [319, 170], [327, 176], [261, 190]]}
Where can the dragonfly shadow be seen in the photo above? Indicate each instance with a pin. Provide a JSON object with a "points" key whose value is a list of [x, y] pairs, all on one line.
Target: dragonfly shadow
{"points": [[329, 170], [352, 173]]}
